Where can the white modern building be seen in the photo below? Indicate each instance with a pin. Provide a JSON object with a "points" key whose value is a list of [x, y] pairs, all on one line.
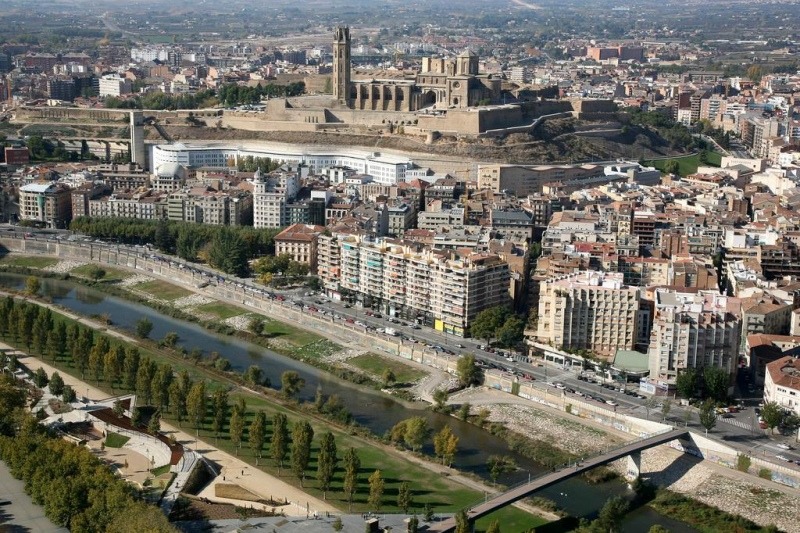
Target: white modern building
{"points": [[782, 383], [114, 85], [386, 169]]}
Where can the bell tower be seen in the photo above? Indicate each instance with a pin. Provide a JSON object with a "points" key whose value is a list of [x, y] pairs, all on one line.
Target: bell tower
{"points": [[341, 65]]}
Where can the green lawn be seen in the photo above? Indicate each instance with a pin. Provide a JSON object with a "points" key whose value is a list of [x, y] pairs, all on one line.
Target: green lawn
{"points": [[24, 261], [160, 470], [111, 274], [687, 165], [290, 334], [219, 310], [376, 364], [115, 440], [162, 290], [428, 487]]}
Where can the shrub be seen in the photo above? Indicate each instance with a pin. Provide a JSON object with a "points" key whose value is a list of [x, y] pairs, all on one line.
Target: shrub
{"points": [[742, 463], [765, 473]]}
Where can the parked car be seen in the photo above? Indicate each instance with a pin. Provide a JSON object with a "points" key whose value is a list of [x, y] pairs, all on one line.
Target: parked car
{"points": [[783, 446], [783, 458]]}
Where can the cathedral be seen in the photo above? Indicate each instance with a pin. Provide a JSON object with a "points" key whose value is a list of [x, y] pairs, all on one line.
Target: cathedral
{"points": [[440, 84]]}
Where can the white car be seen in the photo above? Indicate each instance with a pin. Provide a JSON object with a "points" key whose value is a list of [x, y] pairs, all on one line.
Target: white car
{"points": [[783, 458], [783, 446]]}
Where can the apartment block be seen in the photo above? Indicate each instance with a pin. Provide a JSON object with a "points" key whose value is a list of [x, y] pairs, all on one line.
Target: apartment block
{"points": [[782, 383], [271, 194], [588, 310], [438, 288], [299, 241], [47, 203], [693, 330]]}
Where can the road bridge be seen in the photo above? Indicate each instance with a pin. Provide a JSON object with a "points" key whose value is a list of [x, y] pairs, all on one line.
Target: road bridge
{"points": [[632, 450]]}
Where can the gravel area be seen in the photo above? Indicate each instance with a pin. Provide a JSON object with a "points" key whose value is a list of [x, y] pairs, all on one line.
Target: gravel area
{"points": [[134, 280], [562, 433], [191, 300], [240, 322], [63, 267], [762, 502]]}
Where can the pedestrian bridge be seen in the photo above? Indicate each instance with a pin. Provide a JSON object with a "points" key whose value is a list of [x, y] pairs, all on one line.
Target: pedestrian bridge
{"points": [[632, 451]]}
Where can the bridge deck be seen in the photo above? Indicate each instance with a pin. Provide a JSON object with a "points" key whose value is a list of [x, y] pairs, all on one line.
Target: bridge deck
{"points": [[526, 489]]}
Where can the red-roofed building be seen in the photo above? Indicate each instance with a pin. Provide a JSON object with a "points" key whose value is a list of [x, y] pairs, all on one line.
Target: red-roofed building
{"points": [[782, 383], [299, 241]]}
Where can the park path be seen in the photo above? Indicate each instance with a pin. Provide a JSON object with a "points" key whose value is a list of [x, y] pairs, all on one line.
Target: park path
{"points": [[233, 469]]}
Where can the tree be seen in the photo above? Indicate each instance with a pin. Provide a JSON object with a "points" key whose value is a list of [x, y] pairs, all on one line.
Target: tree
{"points": [[511, 332], [413, 524], [462, 522], [445, 445], [468, 371], [716, 382], [254, 375], [112, 364], [291, 383], [376, 485], [440, 397], [463, 411], [96, 358], [236, 429], [32, 285], [671, 167], [488, 322], [118, 410], [352, 464], [228, 253], [162, 380], [416, 432], [686, 382], [178, 393], [666, 406], [302, 435], [68, 395], [280, 439], [220, 403], [337, 524], [170, 340], [404, 497], [257, 434], [772, 414], [649, 404], [130, 367], [326, 462], [136, 417], [143, 327], [40, 378], [56, 385], [388, 377], [708, 415], [144, 380], [196, 404], [256, 325], [154, 425], [494, 527], [612, 513], [499, 465]]}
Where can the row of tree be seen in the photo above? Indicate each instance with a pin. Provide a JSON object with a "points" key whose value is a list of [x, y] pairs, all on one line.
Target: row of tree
{"points": [[232, 94], [159, 386], [73, 487], [228, 248], [158, 100]]}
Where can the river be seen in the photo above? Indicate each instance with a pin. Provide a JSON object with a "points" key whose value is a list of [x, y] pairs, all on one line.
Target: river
{"points": [[371, 409]]}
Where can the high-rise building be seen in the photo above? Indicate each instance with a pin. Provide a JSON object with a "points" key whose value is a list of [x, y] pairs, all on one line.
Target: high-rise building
{"points": [[441, 289], [271, 194], [588, 310], [693, 330]]}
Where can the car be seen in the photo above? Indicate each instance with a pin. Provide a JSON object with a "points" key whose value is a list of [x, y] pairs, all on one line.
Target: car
{"points": [[350, 321], [415, 326], [459, 346], [560, 386], [578, 393], [762, 425], [783, 458], [612, 403], [347, 306], [783, 446], [571, 391]]}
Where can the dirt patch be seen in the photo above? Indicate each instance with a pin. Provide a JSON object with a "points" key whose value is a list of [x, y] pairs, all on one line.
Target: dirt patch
{"points": [[200, 509], [235, 492]]}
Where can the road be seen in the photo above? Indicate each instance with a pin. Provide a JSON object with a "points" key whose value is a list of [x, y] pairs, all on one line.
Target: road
{"points": [[17, 510], [739, 430]]}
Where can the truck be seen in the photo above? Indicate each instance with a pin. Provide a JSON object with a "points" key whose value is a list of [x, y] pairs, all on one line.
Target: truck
{"points": [[390, 331]]}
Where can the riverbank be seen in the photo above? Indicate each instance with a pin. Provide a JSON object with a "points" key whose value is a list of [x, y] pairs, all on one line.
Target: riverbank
{"points": [[427, 482]]}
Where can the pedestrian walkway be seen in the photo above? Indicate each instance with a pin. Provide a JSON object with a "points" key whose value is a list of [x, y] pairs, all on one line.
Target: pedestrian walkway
{"points": [[232, 468], [735, 422]]}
